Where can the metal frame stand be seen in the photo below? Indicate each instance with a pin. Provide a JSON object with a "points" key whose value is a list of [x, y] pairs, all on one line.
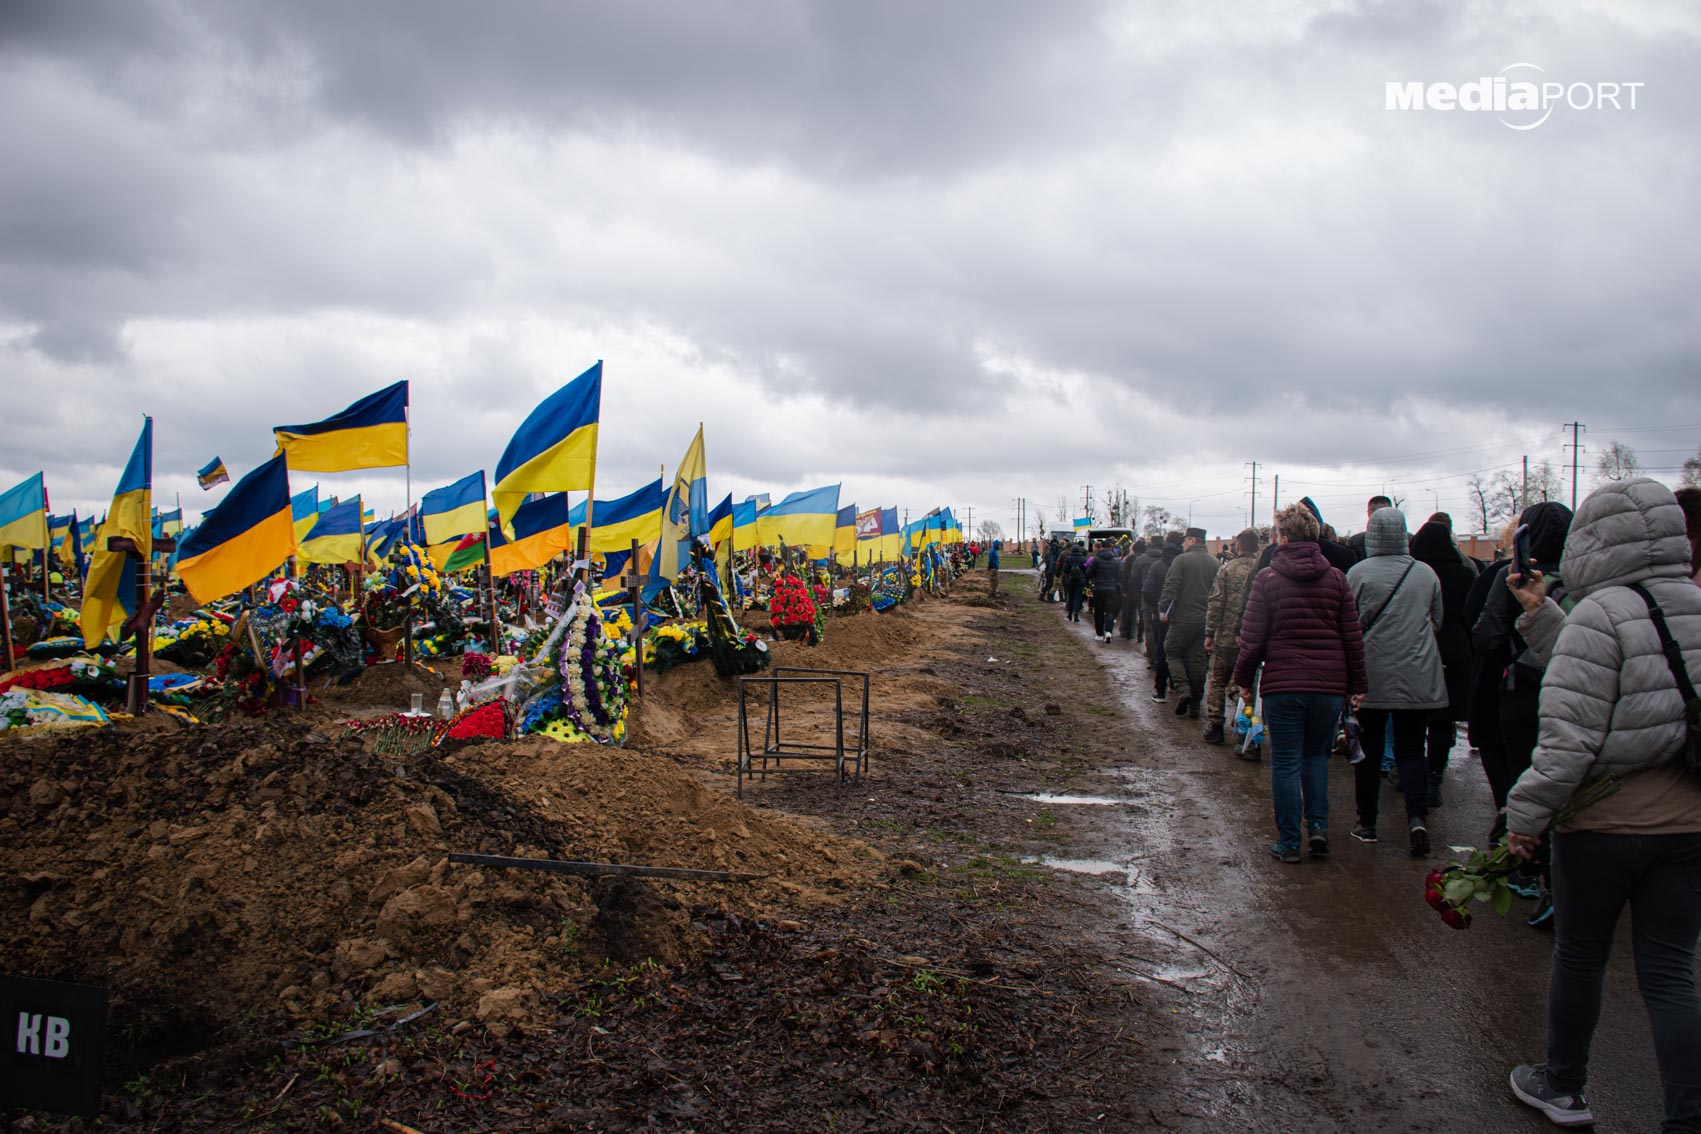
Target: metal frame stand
{"points": [[774, 749]]}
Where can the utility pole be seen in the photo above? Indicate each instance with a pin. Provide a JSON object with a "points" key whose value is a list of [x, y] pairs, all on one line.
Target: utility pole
{"points": [[1087, 501], [1275, 503], [1576, 428], [1524, 491], [1252, 512]]}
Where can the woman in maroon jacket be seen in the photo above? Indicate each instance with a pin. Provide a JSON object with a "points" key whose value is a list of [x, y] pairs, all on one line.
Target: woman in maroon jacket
{"points": [[1302, 625]]}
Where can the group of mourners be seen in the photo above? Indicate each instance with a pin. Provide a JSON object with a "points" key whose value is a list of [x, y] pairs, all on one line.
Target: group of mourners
{"points": [[1568, 657]]}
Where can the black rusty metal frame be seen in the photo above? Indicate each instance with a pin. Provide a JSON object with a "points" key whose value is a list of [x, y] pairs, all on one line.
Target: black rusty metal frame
{"points": [[838, 754]]}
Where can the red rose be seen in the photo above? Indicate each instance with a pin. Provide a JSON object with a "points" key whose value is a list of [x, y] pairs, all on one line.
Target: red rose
{"points": [[1458, 919], [1435, 899], [1433, 878]]}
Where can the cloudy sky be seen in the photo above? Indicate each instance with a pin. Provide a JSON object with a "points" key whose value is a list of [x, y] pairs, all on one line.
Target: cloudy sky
{"points": [[952, 252]]}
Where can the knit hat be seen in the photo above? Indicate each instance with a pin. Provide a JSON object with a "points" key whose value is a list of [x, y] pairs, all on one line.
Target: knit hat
{"points": [[1312, 508]]}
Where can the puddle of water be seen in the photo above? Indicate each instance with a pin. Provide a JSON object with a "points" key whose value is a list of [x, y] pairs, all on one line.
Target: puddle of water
{"points": [[1049, 797], [1083, 865]]}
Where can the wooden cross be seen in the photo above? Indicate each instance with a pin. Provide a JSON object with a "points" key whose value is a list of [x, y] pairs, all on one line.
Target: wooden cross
{"points": [[5, 623], [633, 582], [141, 623]]}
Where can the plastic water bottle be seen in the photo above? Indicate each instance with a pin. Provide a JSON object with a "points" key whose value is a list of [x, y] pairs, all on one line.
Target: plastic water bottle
{"points": [[445, 705]]}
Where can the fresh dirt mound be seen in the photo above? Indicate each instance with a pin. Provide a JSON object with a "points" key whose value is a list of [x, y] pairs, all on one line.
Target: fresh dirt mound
{"points": [[386, 687], [262, 871]]}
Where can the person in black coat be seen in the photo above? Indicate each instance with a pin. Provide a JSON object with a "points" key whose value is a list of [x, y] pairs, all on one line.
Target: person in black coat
{"points": [[1433, 545], [1072, 574], [1104, 571], [1151, 589], [1133, 573]]}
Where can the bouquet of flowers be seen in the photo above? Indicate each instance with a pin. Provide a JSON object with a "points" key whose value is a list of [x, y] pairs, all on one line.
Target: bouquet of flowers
{"points": [[791, 611], [593, 682], [1482, 876], [194, 642]]}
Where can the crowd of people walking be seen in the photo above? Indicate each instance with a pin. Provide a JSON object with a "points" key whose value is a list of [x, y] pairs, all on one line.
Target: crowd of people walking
{"points": [[1571, 655]]}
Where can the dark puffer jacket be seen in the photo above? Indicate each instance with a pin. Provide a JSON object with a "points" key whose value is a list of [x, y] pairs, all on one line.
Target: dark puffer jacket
{"points": [[1302, 624], [1104, 572], [1433, 544]]}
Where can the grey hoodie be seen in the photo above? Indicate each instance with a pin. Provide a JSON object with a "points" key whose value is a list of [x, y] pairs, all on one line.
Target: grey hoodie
{"points": [[1608, 702], [1400, 649]]}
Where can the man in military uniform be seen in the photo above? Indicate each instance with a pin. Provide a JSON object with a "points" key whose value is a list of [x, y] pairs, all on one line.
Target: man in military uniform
{"points": [[1222, 628], [1181, 606]]}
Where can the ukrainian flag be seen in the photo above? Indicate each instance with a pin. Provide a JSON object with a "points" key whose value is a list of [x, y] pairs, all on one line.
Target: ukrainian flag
{"points": [[60, 532], [242, 540], [844, 535], [304, 511], [170, 523], [336, 538], [800, 519], [721, 522], [687, 514], [744, 524], [109, 593], [370, 434], [616, 523], [891, 540], [23, 514], [454, 511], [211, 473], [761, 501], [555, 448], [542, 530]]}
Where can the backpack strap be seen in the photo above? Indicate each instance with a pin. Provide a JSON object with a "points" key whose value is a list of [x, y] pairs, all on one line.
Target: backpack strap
{"points": [[1669, 646], [1365, 625]]}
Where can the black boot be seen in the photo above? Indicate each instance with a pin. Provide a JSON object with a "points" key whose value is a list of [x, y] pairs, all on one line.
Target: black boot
{"points": [[1214, 734]]}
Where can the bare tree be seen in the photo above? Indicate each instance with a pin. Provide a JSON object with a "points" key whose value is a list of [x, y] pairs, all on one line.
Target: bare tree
{"points": [[1545, 483], [1480, 490], [989, 530], [1692, 471], [1617, 462], [1039, 519], [1158, 521]]}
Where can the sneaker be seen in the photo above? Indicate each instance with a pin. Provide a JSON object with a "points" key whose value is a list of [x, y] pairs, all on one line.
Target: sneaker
{"points": [[1182, 705], [1214, 734], [1420, 838], [1318, 842], [1523, 888], [1364, 834], [1532, 1088], [1434, 793], [1285, 853], [1543, 917], [1158, 698]]}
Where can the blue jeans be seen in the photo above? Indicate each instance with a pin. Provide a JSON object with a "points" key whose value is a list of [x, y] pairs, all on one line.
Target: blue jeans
{"points": [[1302, 733]]}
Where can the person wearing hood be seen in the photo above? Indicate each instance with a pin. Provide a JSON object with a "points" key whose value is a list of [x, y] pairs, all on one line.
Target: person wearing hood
{"points": [[1133, 571], [1072, 570], [1338, 554], [1400, 613], [992, 567], [1611, 705], [1495, 635], [1358, 544], [1151, 557], [1187, 588], [1104, 572], [1301, 625], [1433, 546], [1151, 589]]}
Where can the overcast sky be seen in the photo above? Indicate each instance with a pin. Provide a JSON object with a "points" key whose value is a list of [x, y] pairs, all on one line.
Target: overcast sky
{"points": [[951, 252]]}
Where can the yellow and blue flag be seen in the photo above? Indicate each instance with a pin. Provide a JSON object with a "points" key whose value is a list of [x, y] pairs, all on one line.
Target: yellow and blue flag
{"points": [[761, 501], [211, 473], [686, 516], [109, 594], [337, 538], [23, 514], [59, 532], [616, 523], [744, 524], [844, 533], [168, 523], [721, 522], [244, 539], [555, 448], [370, 434], [542, 530], [304, 511], [454, 511], [802, 518]]}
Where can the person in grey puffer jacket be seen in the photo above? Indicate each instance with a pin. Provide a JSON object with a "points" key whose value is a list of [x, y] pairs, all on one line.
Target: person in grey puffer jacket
{"points": [[1609, 704], [1400, 611]]}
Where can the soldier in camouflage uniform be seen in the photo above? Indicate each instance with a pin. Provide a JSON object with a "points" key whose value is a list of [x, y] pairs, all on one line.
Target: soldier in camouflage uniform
{"points": [[1222, 628]]}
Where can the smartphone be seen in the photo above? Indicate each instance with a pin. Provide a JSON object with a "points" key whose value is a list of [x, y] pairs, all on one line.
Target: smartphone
{"points": [[1521, 565]]}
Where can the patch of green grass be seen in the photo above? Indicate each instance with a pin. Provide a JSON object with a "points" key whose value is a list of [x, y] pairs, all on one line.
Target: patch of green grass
{"points": [[999, 865]]}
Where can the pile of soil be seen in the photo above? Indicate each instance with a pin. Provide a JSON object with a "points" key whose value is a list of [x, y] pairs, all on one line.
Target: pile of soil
{"points": [[266, 873], [385, 687]]}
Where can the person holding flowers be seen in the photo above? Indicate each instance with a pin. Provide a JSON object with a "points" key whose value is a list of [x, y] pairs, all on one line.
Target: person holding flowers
{"points": [[1611, 706]]}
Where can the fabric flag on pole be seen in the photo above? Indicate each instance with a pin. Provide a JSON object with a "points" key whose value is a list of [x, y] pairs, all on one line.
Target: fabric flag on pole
{"points": [[169, 523], [453, 511], [616, 523], [555, 448], [59, 529], [744, 524], [370, 434], [244, 539], [211, 473], [800, 519], [304, 511], [1083, 522], [720, 522], [382, 538], [844, 535], [686, 515], [337, 537], [467, 552], [109, 594], [761, 501], [23, 514], [891, 537], [542, 530], [868, 524]]}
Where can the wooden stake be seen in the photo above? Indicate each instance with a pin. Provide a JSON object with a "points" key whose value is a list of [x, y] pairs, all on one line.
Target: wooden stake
{"points": [[634, 584], [5, 621], [141, 623]]}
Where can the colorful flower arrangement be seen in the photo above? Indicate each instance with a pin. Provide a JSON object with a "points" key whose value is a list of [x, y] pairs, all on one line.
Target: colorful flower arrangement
{"points": [[475, 667], [791, 610], [412, 587], [1482, 876], [193, 642], [593, 680]]}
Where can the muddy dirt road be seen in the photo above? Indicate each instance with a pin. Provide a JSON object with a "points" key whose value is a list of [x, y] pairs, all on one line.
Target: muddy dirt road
{"points": [[1331, 997]]}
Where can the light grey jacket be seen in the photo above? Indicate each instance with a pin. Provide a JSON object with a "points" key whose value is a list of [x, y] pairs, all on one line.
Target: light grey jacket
{"points": [[1609, 704], [1400, 649]]}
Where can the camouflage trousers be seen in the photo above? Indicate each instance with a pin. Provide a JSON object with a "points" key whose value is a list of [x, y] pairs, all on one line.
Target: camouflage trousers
{"points": [[1221, 685]]}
